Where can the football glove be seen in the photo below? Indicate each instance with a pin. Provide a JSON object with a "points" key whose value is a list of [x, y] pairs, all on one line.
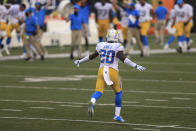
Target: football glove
{"points": [[140, 68], [77, 63]]}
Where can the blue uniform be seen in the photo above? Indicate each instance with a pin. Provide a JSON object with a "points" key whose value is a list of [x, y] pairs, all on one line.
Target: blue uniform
{"points": [[40, 15], [161, 12], [85, 13], [31, 25], [76, 21], [134, 13]]}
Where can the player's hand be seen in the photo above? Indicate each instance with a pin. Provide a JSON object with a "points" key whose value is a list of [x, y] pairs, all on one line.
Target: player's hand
{"points": [[140, 68], [186, 23], [77, 63]]}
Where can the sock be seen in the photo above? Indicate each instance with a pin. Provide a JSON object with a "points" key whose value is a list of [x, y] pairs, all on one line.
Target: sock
{"points": [[171, 40], [180, 41], [95, 96], [100, 39], [1, 46], [118, 103], [18, 38], [117, 111], [8, 41], [125, 43], [24, 49], [188, 39], [145, 40]]}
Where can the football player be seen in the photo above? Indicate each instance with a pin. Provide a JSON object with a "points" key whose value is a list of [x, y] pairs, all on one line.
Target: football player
{"points": [[103, 16], [188, 24], [145, 10], [110, 52], [3, 26], [181, 21], [13, 15]]}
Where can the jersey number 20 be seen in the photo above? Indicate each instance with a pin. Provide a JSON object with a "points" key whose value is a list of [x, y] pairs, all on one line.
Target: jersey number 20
{"points": [[107, 56]]}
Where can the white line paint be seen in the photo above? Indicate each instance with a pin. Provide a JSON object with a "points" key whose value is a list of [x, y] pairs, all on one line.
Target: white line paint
{"points": [[82, 89], [156, 100], [178, 98], [131, 102], [71, 106], [99, 104], [14, 110], [46, 108], [100, 122], [142, 129]]}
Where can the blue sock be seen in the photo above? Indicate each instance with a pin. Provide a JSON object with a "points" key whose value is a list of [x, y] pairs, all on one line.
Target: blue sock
{"points": [[96, 95], [188, 39], [118, 99], [24, 49], [1, 42], [145, 40], [180, 38], [184, 38], [171, 40], [18, 38], [8, 41], [100, 39]]}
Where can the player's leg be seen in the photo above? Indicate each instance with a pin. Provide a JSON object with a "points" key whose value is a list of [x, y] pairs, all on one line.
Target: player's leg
{"points": [[79, 42], [187, 34], [73, 38], [100, 86], [100, 30], [125, 33], [8, 41], [169, 42], [144, 30], [86, 37], [180, 32], [117, 87], [105, 28]]}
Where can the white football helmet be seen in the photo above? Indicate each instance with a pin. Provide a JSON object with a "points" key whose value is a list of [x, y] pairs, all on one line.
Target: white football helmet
{"points": [[112, 35]]}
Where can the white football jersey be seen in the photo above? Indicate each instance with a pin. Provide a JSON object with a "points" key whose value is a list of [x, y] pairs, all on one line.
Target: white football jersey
{"points": [[13, 13], [103, 10], [3, 14], [144, 12], [189, 11], [124, 17], [181, 13], [108, 54]]}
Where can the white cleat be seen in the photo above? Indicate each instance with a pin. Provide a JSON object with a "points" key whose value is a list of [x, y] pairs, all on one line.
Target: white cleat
{"points": [[6, 50], [146, 51], [166, 47], [23, 56]]}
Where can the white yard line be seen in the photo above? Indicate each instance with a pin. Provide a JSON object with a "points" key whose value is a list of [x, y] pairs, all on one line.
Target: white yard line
{"points": [[142, 129], [70, 106], [178, 98], [99, 104], [100, 122], [46, 108], [82, 89], [14, 110], [131, 102], [156, 100]]}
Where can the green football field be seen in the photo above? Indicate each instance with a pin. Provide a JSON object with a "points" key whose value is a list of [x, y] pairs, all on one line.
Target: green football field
{"points": [[53, 95]]}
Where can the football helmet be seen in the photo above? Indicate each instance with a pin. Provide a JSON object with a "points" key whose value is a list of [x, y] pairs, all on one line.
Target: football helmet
{"points": [[112, 35]]}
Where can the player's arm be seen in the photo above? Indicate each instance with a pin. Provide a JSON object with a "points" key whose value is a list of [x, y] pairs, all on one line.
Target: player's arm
{"points": [[115, 5], [127, 61], [48, 4], [86, 59]]}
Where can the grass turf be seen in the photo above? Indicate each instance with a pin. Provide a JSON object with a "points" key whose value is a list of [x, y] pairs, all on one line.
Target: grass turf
{"points": [[163, 95]]}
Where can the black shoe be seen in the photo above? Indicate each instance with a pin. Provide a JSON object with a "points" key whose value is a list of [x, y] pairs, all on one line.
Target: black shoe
{"points": [[28, 59], [42, 58], [71, 57], [34, 55], [142, 54], [188, 48], [179, 50], [1, 47]]}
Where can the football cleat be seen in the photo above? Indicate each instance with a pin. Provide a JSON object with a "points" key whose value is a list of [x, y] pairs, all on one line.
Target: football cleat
{"points": [[91, 109], [179, 50], [118, 118]]}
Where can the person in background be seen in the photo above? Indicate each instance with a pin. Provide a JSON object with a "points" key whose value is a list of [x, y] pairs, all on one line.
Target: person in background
{"points": [[160, 12], [31, 30], [145, 10], [39, 14], [103, 17], [85, 12], [77, 23]]}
